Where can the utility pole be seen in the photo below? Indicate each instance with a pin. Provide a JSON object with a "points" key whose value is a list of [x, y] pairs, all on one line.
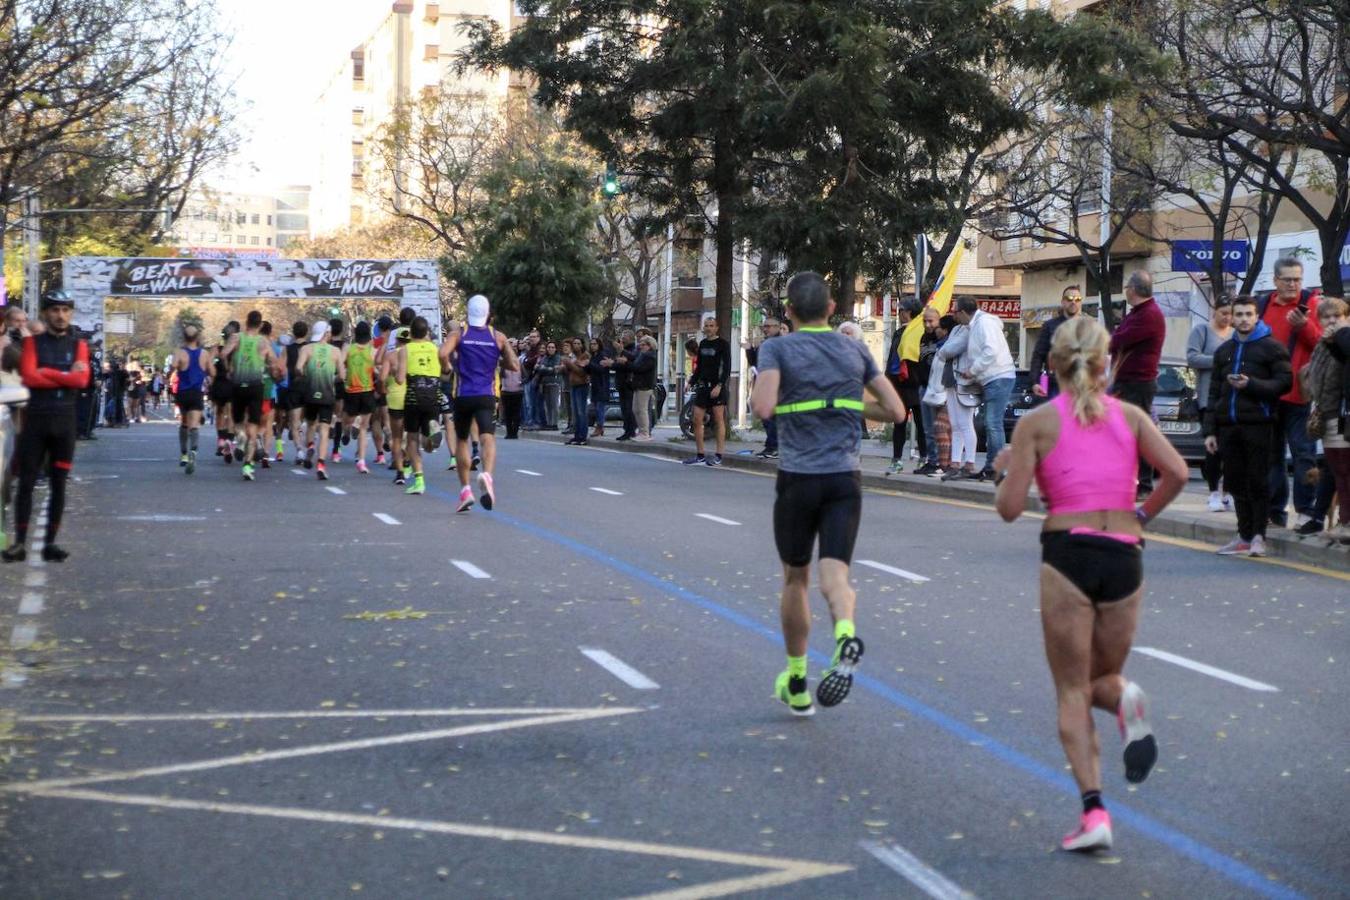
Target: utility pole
{"points": [[32, 235], [669, 287], [1104, 221], [744, 384]]}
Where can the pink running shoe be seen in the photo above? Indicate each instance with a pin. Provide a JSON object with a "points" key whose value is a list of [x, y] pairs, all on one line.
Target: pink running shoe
{"points": [[336, 457], [379, 459], [465, 500], [1093, 832], [361, 467], [1141, 750], [486, 495]]}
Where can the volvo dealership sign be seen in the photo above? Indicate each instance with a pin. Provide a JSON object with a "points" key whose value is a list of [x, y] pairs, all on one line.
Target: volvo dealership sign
{"points": [[1197, 256]]}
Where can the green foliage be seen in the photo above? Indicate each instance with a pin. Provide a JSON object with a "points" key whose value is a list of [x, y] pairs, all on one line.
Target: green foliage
{"points": [[533, 250]]}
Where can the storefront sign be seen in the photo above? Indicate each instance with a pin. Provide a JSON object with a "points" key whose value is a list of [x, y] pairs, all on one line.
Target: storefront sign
{"points": [[1003, 307], [1195, 256]]}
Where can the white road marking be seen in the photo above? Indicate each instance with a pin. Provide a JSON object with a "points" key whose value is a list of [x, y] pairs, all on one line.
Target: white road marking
{"points": [[12, 678], [903, 573], [305, 714], [659, 458], [915, 871], [619, 669], [528, 472], [335, 490], [140, 459], [297, 471], [95, 477], [35, 579], [599, 490], [161, 517], [386, 518], [253, 758], [24, 636], [469, 568], [717, 519], [780, 871], [31, 604], [1204, 669]]}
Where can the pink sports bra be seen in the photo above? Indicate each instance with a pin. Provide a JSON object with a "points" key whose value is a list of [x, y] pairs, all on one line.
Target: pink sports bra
{"points": [[1092, 467]]}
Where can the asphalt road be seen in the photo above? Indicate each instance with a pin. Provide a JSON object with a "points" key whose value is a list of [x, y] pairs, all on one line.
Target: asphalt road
{"points": [[278, 690]]}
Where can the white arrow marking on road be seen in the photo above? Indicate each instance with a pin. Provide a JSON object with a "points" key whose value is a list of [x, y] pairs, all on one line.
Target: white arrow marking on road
{"points": [[386, 518], [333, 490], [1204, 669], [903, 573], [31, 604], [717, 519], [915, 871], [528, 472], [607, 491], [469, 569], [619, 669]]}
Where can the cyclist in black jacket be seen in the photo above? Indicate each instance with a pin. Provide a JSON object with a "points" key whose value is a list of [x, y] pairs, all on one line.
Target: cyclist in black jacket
{"points": [[712, 371]]}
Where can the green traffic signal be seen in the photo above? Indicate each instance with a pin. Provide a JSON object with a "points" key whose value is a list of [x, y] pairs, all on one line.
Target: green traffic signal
{"points": [[610, 186]]}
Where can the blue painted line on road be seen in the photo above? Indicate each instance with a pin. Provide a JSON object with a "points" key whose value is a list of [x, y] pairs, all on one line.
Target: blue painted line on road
{"points": [[1224, 865]]}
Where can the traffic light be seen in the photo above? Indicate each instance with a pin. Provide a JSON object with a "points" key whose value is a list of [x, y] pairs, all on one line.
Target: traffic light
{"points": [[610, 186]]}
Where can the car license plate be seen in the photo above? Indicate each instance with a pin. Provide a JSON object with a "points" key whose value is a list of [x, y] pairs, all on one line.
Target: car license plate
{"points": [[1018, 413], [1178, 427]]}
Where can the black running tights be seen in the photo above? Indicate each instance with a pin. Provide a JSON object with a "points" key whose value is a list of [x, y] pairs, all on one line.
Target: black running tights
{"points": [[49, 437]]}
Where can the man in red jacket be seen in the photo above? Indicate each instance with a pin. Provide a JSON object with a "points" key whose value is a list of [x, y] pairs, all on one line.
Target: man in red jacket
{"points": [[55, 368], [1291, 313], [1136, 347]]}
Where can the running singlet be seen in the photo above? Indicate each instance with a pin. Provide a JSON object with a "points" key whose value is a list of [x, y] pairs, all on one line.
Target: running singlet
{"points": [[1092, 467], [424, 375], [360, 369], [248, 361], [192, 378], [319, 375], [479, 356]]}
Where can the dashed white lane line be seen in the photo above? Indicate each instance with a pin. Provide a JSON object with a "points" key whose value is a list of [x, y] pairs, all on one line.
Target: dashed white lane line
{"points": [[531, 474], [600, 490], [1205, 669], [892, 570], [34, 579], [469, 568], [718, 519], [335, 490], [161, 517], [24, 636], [619, 669], [31, 604], [915, 871], [386, 518], [297, 471]]}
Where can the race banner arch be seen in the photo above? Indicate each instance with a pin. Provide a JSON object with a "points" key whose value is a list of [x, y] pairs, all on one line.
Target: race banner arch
{"points": [[92, 279]]}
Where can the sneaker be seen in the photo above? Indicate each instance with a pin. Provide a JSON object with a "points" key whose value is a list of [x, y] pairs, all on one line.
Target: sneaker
{"points": [[896, 467], [1093, 832], [323, 473], [1141, 750], [1216, 502], [379, 459], [220, 446], [1279, 520], [192, 462], [486, 495], [237, 450], [794, 693], [1312, 526], [1301, 520], [266, 463], [957, 475], [1228, 501], [571, 442], [714, 460], [837, 680], [624, 437], [985, 475], [645, 438], [1236, 547], [765, 454], [925, 469], [336, 457], [309, 457], [938, 472], [280, 457], [587, 443], [53, 553], [247, 470], [182, 460], [346, 436], [17, 553], [418, 486], [475, 463], [694, 461], [465, 500], [453, 465], [399, 479], [362, 467], [228, 456], [1258, 547]]}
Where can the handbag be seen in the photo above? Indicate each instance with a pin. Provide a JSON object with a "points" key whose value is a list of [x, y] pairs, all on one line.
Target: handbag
{"points": [[969, 395]]}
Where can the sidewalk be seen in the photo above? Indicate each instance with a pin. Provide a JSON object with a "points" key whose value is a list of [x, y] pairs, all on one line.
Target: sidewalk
{"points": [[1188, 517]]}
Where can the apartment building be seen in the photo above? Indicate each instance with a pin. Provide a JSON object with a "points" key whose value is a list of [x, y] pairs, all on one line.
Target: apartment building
{"points": [[412, 50], [231, 223]]}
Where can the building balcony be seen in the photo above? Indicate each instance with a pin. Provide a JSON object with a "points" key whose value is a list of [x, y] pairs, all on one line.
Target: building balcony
{"points": [[432, 13], [403, 7], [431, 53], [687, 299]]}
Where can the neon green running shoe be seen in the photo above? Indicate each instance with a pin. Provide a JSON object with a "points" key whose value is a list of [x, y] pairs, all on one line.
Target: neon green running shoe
{"points": [[793, 692], [418, 486], [837, 680]]}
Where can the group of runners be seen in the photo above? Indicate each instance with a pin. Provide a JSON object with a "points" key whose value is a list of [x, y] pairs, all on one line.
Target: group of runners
{"points": [[391, 385]]}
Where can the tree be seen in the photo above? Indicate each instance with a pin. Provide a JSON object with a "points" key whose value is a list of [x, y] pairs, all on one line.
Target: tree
{"points": [[633, 238], [533, 248]]}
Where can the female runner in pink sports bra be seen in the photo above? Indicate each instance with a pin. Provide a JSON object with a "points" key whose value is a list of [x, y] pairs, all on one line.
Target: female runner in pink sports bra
{"points": [[1082, 449]]}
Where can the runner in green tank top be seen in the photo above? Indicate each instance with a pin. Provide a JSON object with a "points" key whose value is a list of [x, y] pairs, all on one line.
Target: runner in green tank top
{"points": [[249, 355], [359, 405], [395, 389], [322, 367], [419, 367]]}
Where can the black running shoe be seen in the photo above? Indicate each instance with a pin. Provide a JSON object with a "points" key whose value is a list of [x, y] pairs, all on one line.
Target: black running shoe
{"points": [[53, 553], [837, 680], [17, 553]]}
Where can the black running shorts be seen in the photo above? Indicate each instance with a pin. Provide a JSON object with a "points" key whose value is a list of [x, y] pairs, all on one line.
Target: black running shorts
{"points": [[319, 412], [704, 399], [222, 390], [418, 421], [246, 406], [828, 507], [362, 404], [468, 410], [190, 401], [1104, 569]]}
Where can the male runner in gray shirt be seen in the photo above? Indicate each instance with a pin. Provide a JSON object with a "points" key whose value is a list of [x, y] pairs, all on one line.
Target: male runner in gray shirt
{"points": [[812, 383]]}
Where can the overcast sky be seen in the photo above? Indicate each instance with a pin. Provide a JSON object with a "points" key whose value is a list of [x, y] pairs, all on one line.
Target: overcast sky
{"points": [[283, 54]]}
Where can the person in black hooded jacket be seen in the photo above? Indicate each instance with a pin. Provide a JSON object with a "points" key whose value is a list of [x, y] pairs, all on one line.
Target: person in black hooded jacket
{"points": [[1251, 372]]}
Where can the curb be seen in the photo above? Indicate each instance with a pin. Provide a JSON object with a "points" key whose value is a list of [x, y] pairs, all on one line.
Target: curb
{"points": [[1312, 551]]}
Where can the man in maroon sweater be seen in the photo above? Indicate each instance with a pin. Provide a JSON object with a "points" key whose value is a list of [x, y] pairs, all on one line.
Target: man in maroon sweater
{"points": [[1291, 313], [1136, 347]]}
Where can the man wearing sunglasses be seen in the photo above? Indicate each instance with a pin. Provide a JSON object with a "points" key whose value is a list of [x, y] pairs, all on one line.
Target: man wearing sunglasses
{"points": [[1070, 306]]}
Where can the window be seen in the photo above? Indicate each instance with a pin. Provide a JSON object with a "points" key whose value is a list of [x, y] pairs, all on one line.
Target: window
{"points": [[255, 218], [269, 242], [212, 216], [227, 239], [253, 240], [269, 220], [212, 237], [240, 219]]}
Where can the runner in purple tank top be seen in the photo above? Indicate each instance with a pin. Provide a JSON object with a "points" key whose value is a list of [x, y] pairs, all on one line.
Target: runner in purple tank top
{"points": [[476, 353]]}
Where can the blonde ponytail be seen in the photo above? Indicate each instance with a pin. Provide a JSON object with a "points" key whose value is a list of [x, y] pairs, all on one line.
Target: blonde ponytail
{"points": [[1078, 356]]}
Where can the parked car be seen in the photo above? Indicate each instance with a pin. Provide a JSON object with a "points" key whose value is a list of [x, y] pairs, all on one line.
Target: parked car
{"points": [[613, 412], [1176, 409]]}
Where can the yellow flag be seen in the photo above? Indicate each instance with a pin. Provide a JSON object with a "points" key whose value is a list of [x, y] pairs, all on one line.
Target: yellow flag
{"points": [[940, 299]]}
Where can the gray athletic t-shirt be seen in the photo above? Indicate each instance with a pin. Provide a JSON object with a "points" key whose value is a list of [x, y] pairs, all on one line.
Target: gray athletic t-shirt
{"points": [[818, 365]]}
